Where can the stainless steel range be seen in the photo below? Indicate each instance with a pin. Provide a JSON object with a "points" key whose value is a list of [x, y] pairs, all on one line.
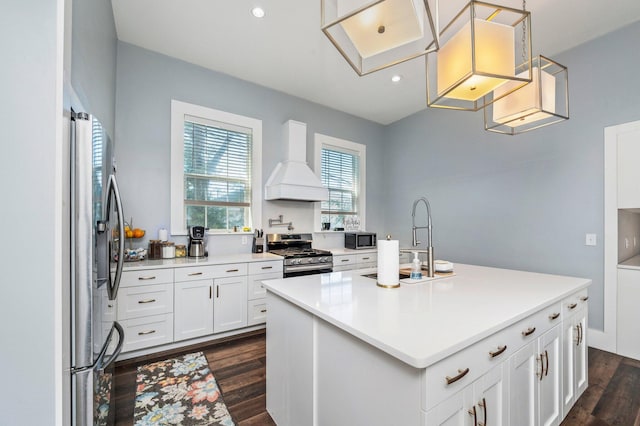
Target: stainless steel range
{"points": [[299, 257]]}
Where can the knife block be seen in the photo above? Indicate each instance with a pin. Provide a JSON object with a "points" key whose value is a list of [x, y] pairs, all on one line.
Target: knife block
{"points": [[258, 245]]}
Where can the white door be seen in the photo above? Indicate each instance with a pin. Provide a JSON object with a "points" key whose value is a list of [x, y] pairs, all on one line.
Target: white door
{"points": [[229, 303], [549, 387], [457, 410], [524, 370], [193, 311]]}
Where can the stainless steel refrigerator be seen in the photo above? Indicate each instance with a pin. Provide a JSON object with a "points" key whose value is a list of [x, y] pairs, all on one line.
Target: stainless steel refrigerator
{"points": [[97, 253]]}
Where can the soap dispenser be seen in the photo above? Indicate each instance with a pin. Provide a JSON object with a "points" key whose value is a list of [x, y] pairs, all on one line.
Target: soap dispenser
{"points": [[416, 270]]}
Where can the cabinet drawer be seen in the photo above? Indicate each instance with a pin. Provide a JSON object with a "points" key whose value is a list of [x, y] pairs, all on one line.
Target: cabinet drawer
{"points": [[147, 276], [140, 301], [256, 311], [367, 258], [266, 267], [342, 260], [210, 271], [575, 302], [484, 355], [256, 290], [149, 331]]}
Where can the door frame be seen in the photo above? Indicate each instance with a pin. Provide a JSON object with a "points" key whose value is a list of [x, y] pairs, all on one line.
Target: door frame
{"points": [[607, 339]]}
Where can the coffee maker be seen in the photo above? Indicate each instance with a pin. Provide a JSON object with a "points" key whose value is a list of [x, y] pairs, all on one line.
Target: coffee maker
{"points": [[197, 235]]}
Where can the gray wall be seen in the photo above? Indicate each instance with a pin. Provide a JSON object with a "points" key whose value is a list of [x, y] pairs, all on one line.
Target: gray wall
{"points": [[523, 202], [93, 61], [30, 108], [147, 82]]}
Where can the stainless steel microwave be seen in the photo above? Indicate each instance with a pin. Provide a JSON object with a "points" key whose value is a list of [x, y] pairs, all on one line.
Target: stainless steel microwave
{"points": [[360, 240]]}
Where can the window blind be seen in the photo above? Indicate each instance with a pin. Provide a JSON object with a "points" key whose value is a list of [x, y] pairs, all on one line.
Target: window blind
{"points": [[217, 174], [340, 174]]}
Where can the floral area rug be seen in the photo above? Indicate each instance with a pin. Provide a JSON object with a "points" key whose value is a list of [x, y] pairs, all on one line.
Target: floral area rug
{"points": [[179, 391]]}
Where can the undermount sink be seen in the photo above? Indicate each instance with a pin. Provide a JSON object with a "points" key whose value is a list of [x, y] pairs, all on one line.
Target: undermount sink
{"points": [[374, 276]]}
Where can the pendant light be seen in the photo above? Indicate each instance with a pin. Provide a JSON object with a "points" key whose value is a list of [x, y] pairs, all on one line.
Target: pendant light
{"points": [[478, 50], [373, 35], [542, 102]]}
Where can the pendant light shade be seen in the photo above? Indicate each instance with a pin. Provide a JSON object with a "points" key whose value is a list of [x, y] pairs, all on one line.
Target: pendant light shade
{"points": [[542, 102], [373, 35], [480, 49]]}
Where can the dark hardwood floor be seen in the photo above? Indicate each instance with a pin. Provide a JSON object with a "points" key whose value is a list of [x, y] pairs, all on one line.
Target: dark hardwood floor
{"points": [[238, 364]]}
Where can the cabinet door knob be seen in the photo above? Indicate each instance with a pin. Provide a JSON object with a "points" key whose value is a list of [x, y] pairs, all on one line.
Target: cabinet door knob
{"points": [[584, 298], [572, 306], [554, 316], [461, 374], [472, 412], [483, 405], [546, 362], [529, 331]]}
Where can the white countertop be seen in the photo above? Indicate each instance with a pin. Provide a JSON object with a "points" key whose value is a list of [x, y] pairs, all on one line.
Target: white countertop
{"points": [[633, 263], [421, 324], [180, 262]]}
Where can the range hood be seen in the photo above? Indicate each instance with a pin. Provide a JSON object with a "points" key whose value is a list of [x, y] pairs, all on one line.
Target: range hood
{"points": [[293, 179]]}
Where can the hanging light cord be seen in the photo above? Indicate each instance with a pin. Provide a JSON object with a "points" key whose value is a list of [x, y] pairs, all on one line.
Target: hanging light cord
{"points": [[524, 33]]}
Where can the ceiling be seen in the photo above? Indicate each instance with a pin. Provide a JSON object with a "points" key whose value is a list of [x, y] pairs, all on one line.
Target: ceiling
{"points": [[287, 51]]}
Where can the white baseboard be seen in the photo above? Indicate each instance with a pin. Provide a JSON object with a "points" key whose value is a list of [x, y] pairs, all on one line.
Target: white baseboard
{"points": [[600, 340]]}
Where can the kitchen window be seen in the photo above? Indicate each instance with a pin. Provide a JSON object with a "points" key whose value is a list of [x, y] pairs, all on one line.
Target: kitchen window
{"points": [[215, 169], [342, 172]]}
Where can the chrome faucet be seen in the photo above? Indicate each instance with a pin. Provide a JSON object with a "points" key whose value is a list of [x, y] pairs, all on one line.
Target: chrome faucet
{"points": [[414, 228]]}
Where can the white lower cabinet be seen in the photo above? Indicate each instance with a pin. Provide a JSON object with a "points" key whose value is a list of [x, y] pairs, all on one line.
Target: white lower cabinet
{"points": [[575, 351], [535, 381], [193, 309], [483, 402], [147, 331], [229, 303]]}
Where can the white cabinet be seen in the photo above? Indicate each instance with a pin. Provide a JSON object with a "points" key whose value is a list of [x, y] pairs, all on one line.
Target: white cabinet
{"points": [[256, 293], [193, 312], [359, 260], [534, 382], [575, 351], [230, 303], [628, 343], [145, 308], [484, 400], [628, 170]]}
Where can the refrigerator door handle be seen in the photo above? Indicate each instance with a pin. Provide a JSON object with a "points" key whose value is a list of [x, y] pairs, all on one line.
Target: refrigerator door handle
{"points": [[113, 286], [101, 364]]}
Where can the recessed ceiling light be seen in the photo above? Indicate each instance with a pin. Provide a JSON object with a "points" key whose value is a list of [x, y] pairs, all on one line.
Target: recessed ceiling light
{"points": [[258, 12], [396, 78]]}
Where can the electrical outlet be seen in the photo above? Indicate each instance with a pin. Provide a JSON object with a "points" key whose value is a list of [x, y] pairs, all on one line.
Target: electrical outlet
{"points": [[244, 240], [590, 240]]}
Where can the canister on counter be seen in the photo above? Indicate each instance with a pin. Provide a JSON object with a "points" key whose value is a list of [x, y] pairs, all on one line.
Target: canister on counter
{"points": [[181, 250], [168, 250], [155, 249]]}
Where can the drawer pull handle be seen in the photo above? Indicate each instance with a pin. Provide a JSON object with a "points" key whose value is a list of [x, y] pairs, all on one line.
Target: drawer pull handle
{"points": [[483, 404], [210, 292], [365, 258], [267, 267], [193, 274], [579, 331], [572, 306], [110, 306], [461, 374], [472, 412], [146, 301], [584, 298], [263, 310], [554, 316], [344, 260], [529, 331], [142, 333], [500, 350], [217, 292], [546, 362], [146, 278], [232, 270]]}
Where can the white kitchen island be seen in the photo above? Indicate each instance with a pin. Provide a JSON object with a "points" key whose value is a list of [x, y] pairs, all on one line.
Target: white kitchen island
{"points": [[487, 343]]}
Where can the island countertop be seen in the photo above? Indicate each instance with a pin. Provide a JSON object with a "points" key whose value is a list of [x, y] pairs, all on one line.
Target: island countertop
{"points": [[421, 324]]}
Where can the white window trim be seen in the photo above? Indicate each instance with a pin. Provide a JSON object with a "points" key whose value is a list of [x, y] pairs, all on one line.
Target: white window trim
{"points": [[321, 141], [178, 112]]}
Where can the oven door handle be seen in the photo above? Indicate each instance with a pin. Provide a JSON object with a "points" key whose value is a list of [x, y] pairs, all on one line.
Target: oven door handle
{"points": [[302, 268]]}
